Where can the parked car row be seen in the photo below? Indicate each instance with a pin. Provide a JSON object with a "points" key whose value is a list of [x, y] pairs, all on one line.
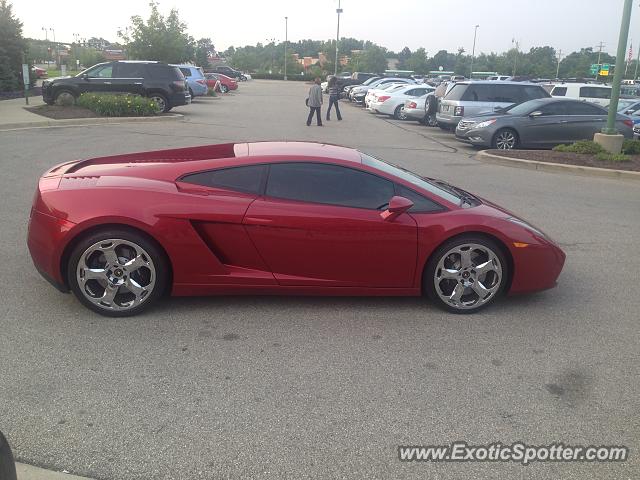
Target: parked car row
{"points": [[167, 85], [497, 113]]}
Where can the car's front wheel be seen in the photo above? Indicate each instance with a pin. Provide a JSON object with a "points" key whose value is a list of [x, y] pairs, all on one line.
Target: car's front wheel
{"points": [[505, 139], [117, 273], [466, 274], [65, 98], [224, 89]]}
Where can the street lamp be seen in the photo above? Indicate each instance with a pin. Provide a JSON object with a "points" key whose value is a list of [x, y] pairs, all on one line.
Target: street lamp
{"points": [[55, 44], [473, 52], [46, 39], [338, 11], [286, 39]]}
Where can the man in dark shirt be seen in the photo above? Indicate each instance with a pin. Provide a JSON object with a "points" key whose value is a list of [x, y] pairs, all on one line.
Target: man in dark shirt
{"points": [[334, 97]]}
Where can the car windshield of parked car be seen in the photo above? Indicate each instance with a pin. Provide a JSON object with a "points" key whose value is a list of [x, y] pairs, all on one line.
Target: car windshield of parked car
{"points": [[369, 81], [410, 177], [524, 108]]}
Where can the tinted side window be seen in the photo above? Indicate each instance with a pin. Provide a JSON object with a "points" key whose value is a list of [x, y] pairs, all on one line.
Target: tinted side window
{"points": [[558, 108], [242, 179], [164, 72], [130, 70], [330, 184], [559, 91], [479, 93], [530, 92], [420, 203], [186, 72], [595, 92], [506, 94], [102, 71], [584, 108]]}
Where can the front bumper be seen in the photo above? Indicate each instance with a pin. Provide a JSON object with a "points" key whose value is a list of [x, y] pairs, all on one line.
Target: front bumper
{"points": [[537, 268], [478, 137]]}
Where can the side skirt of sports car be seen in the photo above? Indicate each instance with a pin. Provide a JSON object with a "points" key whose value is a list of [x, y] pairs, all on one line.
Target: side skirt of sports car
{"points": [[275, 218]]}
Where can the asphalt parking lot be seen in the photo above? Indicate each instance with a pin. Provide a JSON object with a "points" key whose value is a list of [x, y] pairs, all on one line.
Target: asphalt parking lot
{"points": [[255, 387]]}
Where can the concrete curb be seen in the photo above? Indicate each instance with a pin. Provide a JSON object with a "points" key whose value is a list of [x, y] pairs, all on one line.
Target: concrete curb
{"points": [[29, 472], [80, 122], [557, 167]]}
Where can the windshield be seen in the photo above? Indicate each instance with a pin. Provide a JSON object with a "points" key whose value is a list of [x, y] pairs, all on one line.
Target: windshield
{"points": [[410, 177], [369, 81]]}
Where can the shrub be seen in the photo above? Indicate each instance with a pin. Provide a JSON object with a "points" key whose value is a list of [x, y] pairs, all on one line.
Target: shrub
{"points": [[612, 157], [118, 105], [631, 147], [586, 147]]}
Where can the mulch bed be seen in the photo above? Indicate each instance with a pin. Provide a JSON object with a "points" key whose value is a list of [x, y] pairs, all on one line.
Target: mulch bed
{"points": [[568, 158], [59, 113]]}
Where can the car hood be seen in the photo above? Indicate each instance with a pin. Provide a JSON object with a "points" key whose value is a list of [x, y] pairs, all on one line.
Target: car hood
{"points": [[53, 79]]}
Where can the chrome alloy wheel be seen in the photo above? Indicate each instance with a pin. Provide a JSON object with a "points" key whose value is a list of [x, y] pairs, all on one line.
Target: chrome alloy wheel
{"points": [[468, 276], [506, 140], [116, 274]]}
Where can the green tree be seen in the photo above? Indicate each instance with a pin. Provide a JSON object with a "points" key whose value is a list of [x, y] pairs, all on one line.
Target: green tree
{"points": [[204, 49], [372, 59], [12, 48], [417, 61], [159, 38]]}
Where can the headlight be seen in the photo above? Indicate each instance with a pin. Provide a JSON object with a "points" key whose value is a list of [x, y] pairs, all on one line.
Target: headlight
{"points": [[529, 227], [485, 124]]}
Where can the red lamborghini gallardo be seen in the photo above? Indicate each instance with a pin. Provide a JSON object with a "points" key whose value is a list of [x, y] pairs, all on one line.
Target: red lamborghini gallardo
{"points": [[275, 218]]}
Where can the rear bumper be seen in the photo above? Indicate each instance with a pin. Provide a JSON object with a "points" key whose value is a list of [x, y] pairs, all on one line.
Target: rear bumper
{"points": [[415, 113], [448, 120], [178, 99]]}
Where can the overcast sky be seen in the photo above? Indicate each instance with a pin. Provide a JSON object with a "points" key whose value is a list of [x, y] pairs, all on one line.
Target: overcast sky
{"points": [[436, 25]]}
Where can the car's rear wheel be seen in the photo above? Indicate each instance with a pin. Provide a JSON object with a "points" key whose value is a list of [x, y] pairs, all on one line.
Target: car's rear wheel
{"points": [[505, 139], [117, 273], [224, 88], [162, 104], [65, 98], [399, 113], [466, 274]]}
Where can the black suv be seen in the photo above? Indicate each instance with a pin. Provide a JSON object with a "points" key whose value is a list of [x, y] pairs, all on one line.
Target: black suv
{"points": [[228, 71], [165, 84]]}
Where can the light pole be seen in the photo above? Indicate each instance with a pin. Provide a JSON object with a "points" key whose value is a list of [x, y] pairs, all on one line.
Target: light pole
{"points": [[617, 75], [46, 39], [473, 51], [338, 11], [286, 39], [55, 44], [558, 68], [515, 57]]}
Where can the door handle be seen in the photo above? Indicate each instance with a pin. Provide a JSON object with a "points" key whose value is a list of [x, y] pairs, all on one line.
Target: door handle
{"points": [[257, 221], [564, 121], [107, 83], [137, 83]]}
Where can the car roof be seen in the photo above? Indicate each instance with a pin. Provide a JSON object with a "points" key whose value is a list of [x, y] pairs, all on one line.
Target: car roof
{"points": [[576, 85], [496, 82]]}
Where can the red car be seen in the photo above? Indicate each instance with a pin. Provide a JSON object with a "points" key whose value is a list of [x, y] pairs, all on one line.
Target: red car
{"points": [[275, 218], [220, 82]]}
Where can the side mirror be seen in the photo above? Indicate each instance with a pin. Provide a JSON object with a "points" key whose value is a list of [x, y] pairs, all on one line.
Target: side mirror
{"points": [[535, 114], [397, 206], [85, 76], [498, 109]]}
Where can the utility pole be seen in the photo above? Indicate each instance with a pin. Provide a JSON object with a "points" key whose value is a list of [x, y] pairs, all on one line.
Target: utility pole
{"points": [[600, 47], [558, 69], [286, 39], [473, 51], [515, 58], [338, 11], [56, 46], [46, 39]]}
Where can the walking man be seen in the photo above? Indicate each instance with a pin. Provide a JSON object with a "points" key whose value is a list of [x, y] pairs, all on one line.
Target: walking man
{"points": [[334, 97], [315, 102]]}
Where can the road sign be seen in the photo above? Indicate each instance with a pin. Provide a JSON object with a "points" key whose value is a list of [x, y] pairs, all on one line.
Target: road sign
{"points": [[594, 68], [604, 69], [25, 74]]}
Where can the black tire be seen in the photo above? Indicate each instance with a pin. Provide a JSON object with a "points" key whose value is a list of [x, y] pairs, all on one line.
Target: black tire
{"points": [[429, 274], [7, 462], [224, 89], [243, 78], [505, 139], [159, 268], [162, 101], [432, 104], [399, 114], [65, 97]]}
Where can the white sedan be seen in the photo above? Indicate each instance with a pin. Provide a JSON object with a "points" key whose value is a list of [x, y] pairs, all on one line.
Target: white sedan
{"points": [[387, 87], [392, 101]]}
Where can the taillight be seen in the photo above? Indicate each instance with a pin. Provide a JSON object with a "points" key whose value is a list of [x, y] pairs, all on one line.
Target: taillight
{"points": [[179, 85], [628, 122], [412, 105], [458, 112], [383, 98]]}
